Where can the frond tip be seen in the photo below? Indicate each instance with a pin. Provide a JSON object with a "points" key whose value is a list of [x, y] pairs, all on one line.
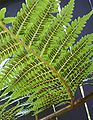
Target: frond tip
{"points": [[4, 19]]}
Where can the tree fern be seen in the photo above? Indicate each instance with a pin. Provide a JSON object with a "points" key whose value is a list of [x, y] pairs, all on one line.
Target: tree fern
{"points": [[40, 67]]}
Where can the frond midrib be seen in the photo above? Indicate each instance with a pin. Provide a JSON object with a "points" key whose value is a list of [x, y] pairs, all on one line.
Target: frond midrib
{"points": [[71, 56], [39, 27], [40, 58], [57, 74], [26, 18]]}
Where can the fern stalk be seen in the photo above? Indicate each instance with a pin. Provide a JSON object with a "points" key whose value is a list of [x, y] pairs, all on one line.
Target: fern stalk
{"points": [[68, 108]]}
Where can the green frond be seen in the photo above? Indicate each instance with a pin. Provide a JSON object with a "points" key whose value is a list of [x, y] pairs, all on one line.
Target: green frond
{"points": [[77, 51], [58, 25], [32, 70], [8, 72], [9, 43], [11, 109], [36, 75], [11, 113], [40, 26], [23, 17], [8, 47], [70, 64], [67, 38], [41, 67], [30, 13]]}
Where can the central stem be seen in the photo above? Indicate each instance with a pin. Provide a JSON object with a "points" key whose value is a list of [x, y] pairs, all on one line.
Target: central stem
{"points": [[36, 117]]}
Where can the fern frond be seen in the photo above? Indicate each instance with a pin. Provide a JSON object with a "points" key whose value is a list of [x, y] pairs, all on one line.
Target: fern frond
{"points": [[62, 19], [78, 50], [9, 47], [41, 68], [10, 43], [81, 52], [26, 16], [29, 13], [11, 66], [40, 26], [29, 71], [23, 17], [12, 109], [68, 37], [36, 75]]}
